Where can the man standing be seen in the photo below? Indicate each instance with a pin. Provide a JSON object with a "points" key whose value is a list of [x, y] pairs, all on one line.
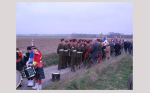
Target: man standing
{"points": [[107, 51], [87, 55], [125, 46], [73, 54], [79, 55], [94, 51], [128, 44], [131, 49], [100, 50], [117, 48], [60, 51], [69, 58], [103, 47], [111, 48], [66, 55]]}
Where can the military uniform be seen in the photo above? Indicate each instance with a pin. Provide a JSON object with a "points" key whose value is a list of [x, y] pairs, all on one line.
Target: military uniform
{"points": [[38, 66], [83, 50], [69, 57], [66, 54], [87, 55], [73, 55], [79, 56], [60, 51], [100, 50]]}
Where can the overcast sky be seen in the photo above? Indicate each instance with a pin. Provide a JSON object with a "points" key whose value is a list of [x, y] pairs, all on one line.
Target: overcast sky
{"points": [[74, 17]]}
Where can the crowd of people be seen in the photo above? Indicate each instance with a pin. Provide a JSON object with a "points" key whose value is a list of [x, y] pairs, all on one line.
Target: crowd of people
{"points": [[33, 58], [84, 53], [72, 54]]}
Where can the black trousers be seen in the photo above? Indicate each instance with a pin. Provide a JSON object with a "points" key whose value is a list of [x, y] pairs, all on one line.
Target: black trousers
{"points": [[117, 52]]}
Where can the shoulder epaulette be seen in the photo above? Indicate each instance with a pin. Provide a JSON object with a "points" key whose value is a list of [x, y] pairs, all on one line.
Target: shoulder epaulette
{"points": [[37, 52]]}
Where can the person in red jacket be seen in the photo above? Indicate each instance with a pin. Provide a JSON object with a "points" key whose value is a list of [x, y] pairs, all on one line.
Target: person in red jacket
{"points": [[38, 66], [19, 64]]}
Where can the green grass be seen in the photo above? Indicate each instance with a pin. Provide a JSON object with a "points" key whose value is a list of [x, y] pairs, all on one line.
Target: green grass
{"points": [[112, 77], [50, 59]]}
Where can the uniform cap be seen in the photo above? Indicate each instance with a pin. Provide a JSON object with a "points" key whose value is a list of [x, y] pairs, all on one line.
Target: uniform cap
{"points": [[62, 40], [98, 39], [70, 40], [28, 48]]}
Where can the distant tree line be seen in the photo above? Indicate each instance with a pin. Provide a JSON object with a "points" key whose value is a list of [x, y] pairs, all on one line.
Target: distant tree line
{"points": [[109, 35]]}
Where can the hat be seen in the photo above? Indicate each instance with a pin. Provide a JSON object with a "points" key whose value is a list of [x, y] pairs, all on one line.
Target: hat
{"points": [[79, 42], [66, 41], [85, 40], [82, 40], [70, 40], [73, 40], [28, 48], [33, 47], [98, 39], [62, 40]]}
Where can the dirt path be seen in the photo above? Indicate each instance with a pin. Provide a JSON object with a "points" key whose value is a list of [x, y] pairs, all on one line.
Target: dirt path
{"points": [[64, 73]]}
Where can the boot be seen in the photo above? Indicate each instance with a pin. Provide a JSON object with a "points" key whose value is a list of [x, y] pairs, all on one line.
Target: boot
{"points": [[40, 87], [31, 83], [36, 86], [28, 83]]}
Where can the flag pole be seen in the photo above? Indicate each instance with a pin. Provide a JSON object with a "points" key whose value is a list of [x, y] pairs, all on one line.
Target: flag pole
{"points": [[32, 42]]}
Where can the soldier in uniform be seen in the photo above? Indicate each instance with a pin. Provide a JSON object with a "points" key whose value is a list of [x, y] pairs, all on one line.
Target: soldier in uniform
{"points": [[100, 50], [90, 42], [87, 55], [60, 51], [79, 55], [73, 54], [19, 64], [69, 58], [66, 54], [82, 41], [83, 50]]}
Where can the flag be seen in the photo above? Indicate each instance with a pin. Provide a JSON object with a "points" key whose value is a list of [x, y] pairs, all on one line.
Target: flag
{"points": [[114, 40], [104, 39], [122, 41], [31, 58]]}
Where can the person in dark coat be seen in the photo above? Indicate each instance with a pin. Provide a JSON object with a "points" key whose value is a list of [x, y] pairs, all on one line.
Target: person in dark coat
{"points": [[117, 48], [125, 46], [128, 45], [94, 51], [111, 48], [103, 47], [131, 49]]}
